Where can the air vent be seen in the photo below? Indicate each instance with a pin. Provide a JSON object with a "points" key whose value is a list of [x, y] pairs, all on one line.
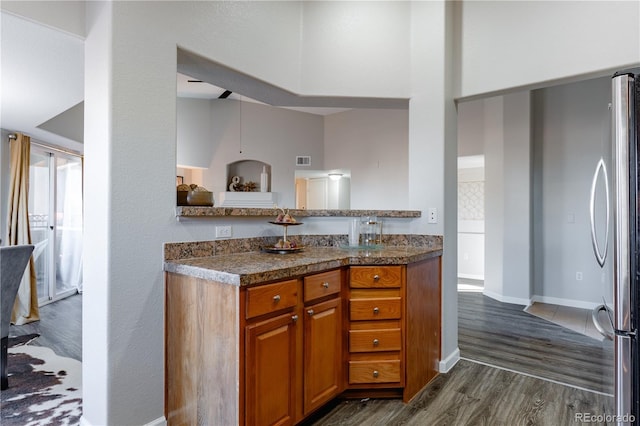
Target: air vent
{"points": [[303, 160]]}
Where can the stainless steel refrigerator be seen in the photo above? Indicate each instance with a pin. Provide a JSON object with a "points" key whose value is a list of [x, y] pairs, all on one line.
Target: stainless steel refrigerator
{"points": [[618, 318]]}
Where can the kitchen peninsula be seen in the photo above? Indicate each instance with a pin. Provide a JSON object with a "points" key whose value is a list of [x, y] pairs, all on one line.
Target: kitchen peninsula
{"points": [[260, 338]]}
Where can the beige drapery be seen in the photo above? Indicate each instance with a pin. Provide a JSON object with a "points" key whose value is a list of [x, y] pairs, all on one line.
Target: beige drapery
{"points": [[25, 308]]}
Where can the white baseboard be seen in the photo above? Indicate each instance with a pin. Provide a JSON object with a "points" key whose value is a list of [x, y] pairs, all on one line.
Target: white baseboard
{"points": [[471, 277], [160, 421], [582, 304], [447, 364], [506, 299]]}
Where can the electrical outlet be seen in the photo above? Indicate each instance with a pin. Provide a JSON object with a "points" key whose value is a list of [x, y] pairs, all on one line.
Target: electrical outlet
{"points": [[433, 215], [223, 232], [578, 276]]}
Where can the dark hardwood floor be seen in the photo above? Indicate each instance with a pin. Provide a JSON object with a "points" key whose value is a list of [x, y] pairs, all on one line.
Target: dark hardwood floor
{"points": [[60, 327], [503, 335], [475, 394]]}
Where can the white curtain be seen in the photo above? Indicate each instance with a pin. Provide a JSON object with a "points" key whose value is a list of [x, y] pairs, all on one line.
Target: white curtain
{"points": [[69, 225]]}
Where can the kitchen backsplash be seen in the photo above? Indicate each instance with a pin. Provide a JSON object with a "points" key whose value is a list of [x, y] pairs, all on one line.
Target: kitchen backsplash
{"points": [[186, 250]]}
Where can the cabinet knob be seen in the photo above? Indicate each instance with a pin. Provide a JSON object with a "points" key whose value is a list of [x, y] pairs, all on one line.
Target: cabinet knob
{"points": [[310, 312], [376, 311], [294, 318], [325, 284], [375, 374], [276, 298], [376, 342], [376, 277]]}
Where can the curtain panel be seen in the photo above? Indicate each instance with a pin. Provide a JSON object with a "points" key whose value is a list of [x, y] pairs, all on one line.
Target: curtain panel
{"points": [[25, 309]]}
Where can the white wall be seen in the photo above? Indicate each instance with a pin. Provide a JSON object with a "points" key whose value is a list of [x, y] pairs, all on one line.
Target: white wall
{"points": [[353, 46], [470, 128], [506, 45], [433, 149], [494, 196], [250, 131], [517, 256], [194, 145], [131, 120], [5, 161], [373, 144], [508, 216], [571, 133]]}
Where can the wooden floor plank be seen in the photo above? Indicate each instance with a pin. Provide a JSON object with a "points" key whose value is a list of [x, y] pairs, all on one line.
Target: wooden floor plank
{"points": [[504, 335], [60, 327], [476, 394]]}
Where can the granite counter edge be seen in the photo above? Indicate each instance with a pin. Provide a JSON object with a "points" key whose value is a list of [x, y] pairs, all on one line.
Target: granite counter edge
{"points": [[349, 259]]}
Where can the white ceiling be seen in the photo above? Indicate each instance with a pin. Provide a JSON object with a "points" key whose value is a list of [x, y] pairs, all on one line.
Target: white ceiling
{"points": [[42, 84], [42, 76]]}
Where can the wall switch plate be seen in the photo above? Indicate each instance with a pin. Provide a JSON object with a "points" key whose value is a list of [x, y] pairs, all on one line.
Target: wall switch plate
{"points": [[433, 215], [578, 276], [223, 231]]}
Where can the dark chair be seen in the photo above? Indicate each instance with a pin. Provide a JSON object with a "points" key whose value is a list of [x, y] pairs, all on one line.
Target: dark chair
{"points": [[13, 262]]}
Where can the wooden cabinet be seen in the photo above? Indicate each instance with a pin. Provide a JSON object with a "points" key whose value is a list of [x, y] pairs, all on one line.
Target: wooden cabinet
{"points": [[322, 353], [394, 326], [274, 353], [293, 345], [270, 364], [375, 327], [322, 338], [270, 353]]}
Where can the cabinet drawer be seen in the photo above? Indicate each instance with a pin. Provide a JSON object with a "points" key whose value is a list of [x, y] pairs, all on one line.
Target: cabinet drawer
{"points": [[375, 276], [375, 340], [386, 371], [269, 298], [373, 309], [319, 285]]}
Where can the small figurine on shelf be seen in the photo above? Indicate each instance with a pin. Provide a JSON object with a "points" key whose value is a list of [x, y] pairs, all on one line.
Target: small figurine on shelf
{"points": [[235, 184]]}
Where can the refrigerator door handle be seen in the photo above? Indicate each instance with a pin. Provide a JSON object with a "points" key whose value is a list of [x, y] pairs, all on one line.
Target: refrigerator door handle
{"points": [[601, 257], [596, 321]]}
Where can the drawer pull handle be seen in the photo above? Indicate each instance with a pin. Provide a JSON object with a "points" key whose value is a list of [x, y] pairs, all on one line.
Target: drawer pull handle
{"points": [[375, 374], [276, 298], [376, 342], [294, 318], [376, 277], [310, 312], [376, 311], [325, 284]]}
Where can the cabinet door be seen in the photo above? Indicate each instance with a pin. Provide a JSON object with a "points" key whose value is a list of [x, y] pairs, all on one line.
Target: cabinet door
{"points": [[322, 353], [270, 371]]}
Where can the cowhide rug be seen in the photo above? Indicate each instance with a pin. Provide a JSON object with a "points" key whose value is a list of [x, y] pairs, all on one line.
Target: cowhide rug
{"points": [[44, 388]]}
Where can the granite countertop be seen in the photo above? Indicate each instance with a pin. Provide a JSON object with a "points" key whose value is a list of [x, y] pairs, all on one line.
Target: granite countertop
{"points": [[195, 211], [255, 267]]}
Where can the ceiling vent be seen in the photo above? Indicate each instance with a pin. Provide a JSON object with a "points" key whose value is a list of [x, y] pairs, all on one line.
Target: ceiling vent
{"points": [[303, 160]]}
